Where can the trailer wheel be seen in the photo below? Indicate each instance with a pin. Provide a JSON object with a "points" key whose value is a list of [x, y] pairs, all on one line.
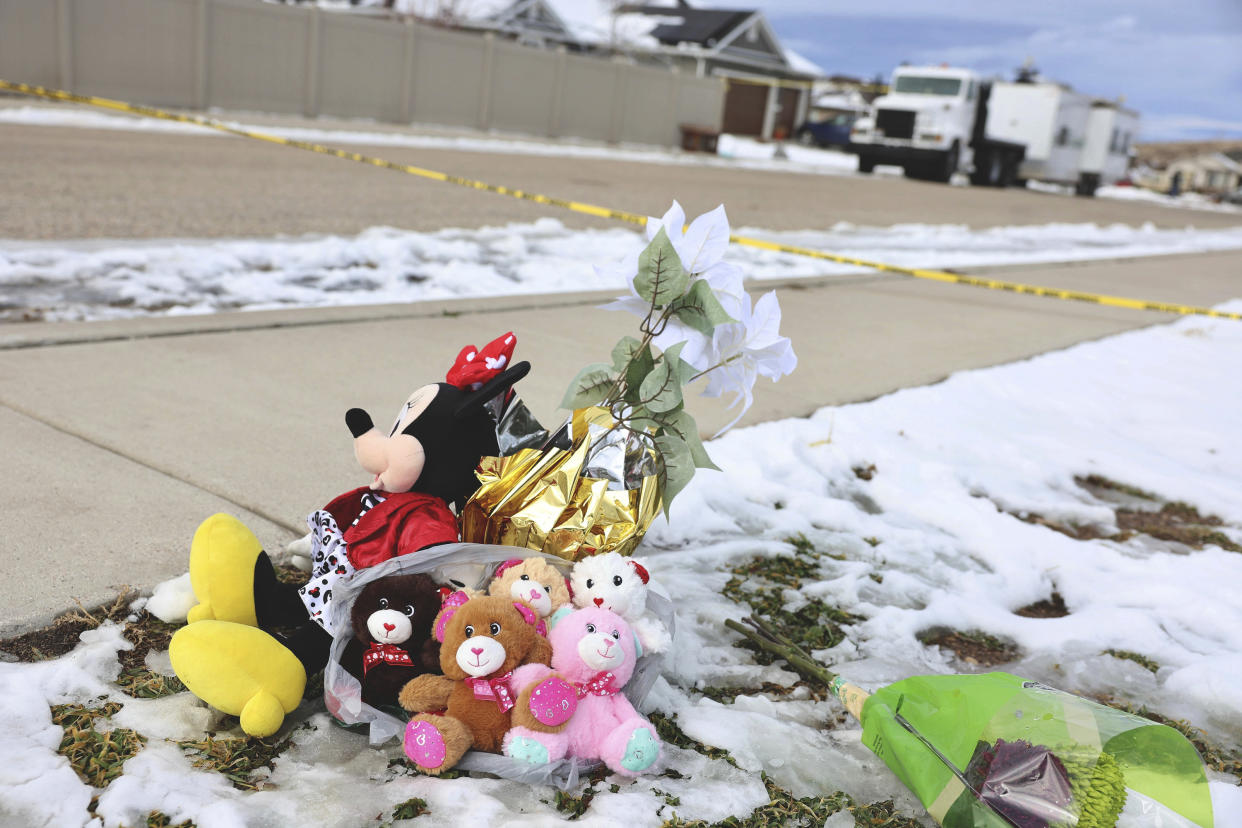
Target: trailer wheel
{"points": [[866, 164], [1009, 170], [989, 170], [1088, 183]]}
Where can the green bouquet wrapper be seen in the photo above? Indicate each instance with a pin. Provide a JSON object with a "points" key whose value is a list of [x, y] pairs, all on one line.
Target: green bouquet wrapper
{"points": [[998, 751]]}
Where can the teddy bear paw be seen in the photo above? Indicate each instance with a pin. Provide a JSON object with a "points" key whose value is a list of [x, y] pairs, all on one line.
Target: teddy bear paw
{"points": [[640, 752], [424, 745], [527, 749], [553, 702]]}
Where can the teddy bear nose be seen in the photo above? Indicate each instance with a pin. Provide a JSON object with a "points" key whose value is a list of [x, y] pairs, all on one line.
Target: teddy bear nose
{"points": [[599, 602], [534, 595], [389, 627], [476, 650]]}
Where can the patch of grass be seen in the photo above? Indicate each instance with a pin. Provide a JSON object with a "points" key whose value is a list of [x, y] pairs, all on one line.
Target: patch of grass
{"points": [[1051, 607], [576, 806], [1138, 658], [62, 635], [864, 472], [236, 759], [1099, 481], [784, 809], [669, 733], [727, 695], [1178, 522], [143, 683], [971, 646], [96, 756], [761, 582], [158, 819], [410, 809], [1216, 757]]}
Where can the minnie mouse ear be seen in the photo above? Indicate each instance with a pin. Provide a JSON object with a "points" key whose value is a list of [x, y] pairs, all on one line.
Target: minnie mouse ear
{"points": [[641, 570], [476, 400]]}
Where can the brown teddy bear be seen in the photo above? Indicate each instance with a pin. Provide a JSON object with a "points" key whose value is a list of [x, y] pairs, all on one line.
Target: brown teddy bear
{"points": [[535, 581], [483, 639], [392, 643]]}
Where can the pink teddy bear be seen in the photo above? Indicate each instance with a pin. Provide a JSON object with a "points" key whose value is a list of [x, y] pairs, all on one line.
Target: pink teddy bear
{"points": [[593, 656]]}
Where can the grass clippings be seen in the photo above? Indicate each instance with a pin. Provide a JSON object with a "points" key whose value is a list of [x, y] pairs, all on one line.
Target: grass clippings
{"points": [[158, 819], [236, 759], [727, 695], [1051, 607], [784, 809], [761, 584], [1138, 658], [144, 683], [669, 733], [96, 756], [410, 809], [971, 646]]}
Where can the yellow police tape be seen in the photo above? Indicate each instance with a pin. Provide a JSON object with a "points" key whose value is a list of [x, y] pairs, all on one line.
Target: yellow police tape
{"points": [[621, 215]]}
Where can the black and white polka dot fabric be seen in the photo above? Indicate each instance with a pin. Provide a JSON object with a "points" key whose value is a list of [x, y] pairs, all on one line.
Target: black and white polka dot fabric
{"points": [[329, 563]]}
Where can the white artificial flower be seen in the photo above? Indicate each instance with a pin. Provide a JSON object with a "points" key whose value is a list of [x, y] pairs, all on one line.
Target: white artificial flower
{"points": [[736, 353], [746, 350]]}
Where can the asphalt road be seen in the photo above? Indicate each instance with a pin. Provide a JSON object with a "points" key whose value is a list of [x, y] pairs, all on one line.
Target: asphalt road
{"points": [[63, 183]]}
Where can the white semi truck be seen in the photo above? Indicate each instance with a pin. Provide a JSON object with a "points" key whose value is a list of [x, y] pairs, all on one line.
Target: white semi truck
{"points": [[939, 120]]}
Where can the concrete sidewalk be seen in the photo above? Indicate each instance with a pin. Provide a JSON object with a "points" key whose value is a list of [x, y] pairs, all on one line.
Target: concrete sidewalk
{"points": [[119, 437]]}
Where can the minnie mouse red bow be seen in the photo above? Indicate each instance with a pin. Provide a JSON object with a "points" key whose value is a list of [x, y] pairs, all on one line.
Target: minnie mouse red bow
{"points": [[475, 366]]}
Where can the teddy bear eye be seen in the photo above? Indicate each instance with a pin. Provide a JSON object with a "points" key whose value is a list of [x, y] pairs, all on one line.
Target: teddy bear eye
{"points": [[616, 580], [383, 603], [616, 635], [495, 628], [469, 631], [525, 577], [547, 589], [590, 583], [590, 628], [409, 610]]}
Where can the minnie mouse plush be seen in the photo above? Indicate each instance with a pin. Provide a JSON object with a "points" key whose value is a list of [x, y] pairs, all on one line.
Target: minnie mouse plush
{"points": [[228, 655]]}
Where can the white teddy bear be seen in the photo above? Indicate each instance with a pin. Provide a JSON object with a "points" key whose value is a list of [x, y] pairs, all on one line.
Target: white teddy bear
{"points": [[619, 584]]}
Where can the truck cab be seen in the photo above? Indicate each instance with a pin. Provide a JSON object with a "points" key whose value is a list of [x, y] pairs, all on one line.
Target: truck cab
{"points": [[924, 124]]}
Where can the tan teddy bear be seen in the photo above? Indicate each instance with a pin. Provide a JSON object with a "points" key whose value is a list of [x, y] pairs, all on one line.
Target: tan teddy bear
{"points": [[535, 581]]}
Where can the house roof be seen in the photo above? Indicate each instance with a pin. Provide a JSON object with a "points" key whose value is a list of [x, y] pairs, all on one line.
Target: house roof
{"points": [[689, 25]]}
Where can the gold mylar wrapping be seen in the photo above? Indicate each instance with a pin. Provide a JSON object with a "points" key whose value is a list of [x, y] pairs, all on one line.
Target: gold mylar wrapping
{"points": [[540, 500]]}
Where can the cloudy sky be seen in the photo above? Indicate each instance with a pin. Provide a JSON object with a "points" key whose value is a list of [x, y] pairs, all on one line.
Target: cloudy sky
{"points": [[1179, 62]]}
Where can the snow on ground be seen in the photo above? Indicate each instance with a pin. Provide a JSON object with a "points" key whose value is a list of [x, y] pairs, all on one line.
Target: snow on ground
{"points": [[931, 538], [110, 279]]}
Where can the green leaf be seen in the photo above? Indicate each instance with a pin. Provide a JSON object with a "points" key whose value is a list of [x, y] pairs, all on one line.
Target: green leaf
{"points": [[634, 361], [589, 387], [677, 468], [642, 419], [623, 353], [661, 278], [660, 390], [700, 309], [682, 425]]}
